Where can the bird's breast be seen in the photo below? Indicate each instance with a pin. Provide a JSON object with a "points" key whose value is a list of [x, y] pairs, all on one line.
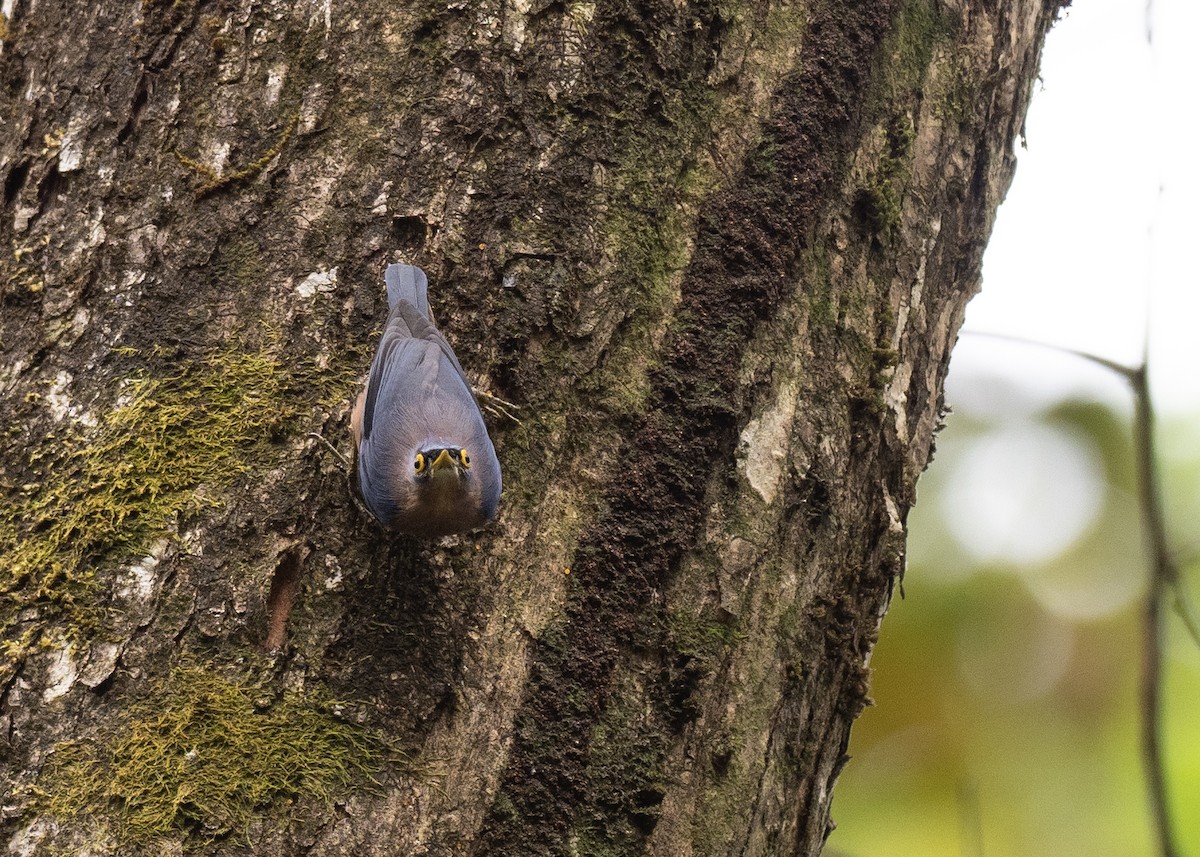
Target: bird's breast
{"points": [[441, 506]]}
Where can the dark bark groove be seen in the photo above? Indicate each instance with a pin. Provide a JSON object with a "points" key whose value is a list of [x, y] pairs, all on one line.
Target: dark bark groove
{"points": [[748, 251]]}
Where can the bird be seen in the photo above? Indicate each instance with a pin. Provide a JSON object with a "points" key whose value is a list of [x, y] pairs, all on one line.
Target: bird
{"points": [[426, 465]]}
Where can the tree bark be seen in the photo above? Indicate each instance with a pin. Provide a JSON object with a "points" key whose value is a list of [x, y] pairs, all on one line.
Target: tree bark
{"points": [[717, 254]]}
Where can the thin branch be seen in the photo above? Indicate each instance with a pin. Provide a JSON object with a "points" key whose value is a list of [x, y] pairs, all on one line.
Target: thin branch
{"points": [[333, 449], [1164, 577], [1126, 372], [1185, 609]]}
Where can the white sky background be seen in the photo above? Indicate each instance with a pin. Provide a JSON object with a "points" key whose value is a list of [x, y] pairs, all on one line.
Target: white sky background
{"points": [[1102, 216], [1096, 234]]}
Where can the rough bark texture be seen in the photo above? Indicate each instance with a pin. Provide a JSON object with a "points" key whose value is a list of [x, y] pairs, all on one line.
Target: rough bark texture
{"points": [[717, 253]]}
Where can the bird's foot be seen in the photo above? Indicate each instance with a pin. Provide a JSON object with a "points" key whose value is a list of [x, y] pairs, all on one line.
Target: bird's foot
{"points": [[496, 406], [332, 449]]}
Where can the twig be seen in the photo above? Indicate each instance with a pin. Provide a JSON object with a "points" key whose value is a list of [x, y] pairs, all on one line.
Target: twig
{"points": [[212, 181], [1164, 578], [496, 406], [1121, 369]]}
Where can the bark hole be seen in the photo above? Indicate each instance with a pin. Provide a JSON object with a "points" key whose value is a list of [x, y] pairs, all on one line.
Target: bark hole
{"points": [[140, 96], [412, 231], [52, 185], [15, 181], [285, 584]]}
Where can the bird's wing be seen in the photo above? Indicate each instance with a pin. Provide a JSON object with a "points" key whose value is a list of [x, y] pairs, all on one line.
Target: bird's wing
{"points": [[399, 354], [387, 367], [422, 328]]}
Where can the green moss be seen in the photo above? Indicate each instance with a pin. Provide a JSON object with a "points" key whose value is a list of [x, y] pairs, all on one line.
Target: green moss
{"points": [[818, 287], [203, 755], [653, 252], [908, 50], [625, 780], [907, 55], [167, 447], [878, 202], [703, 637], [658, 188], [503, 806], [723, 804], [209, 181], [647, 229], [736, 770], [238, 265], [955, 91]]}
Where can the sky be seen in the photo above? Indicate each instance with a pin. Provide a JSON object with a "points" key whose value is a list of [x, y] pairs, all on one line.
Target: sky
{"points": [[1096, 232]]}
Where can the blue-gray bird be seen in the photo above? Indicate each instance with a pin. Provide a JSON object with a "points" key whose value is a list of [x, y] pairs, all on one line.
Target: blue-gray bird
{"points": [[426, 465]]}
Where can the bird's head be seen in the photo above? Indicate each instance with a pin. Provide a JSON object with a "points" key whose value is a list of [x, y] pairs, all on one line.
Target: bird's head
{"points": [[444, 495], [445, 465]]}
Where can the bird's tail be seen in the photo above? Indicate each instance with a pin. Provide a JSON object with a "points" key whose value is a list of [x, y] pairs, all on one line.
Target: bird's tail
{"points": [[407, 283]]}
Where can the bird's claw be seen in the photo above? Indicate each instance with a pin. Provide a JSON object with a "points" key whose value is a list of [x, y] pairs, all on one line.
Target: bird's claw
{"points": [[332, 449], [497, 407]]}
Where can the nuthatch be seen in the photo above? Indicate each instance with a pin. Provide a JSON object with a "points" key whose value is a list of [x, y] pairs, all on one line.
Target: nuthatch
{"points": [[426, 465]]}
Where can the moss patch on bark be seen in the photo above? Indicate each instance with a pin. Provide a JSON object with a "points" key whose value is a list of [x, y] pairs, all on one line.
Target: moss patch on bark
{"points": [[89, 498], [205, 754]]}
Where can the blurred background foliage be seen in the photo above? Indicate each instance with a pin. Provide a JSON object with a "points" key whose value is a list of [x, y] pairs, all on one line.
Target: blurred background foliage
{"points": [[1006, 680]]}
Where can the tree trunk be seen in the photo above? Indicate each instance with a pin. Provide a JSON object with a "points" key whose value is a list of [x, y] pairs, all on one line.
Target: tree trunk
{"points": [[717, 254]]}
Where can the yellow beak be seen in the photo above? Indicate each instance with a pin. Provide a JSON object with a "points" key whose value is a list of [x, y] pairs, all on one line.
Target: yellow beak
{"points": [[442, 462]]}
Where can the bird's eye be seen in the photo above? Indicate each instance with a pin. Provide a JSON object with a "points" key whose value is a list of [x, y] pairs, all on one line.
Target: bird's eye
{"points": [[419, 463], [464, 458]]}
